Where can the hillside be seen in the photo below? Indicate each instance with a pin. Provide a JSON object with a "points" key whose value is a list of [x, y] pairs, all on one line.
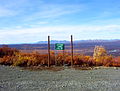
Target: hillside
{"points": [[82, 46]]}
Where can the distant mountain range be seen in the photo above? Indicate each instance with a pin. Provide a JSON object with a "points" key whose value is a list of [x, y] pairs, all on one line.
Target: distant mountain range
{"points": [[53, 41], [77, 41], [80, 46]]}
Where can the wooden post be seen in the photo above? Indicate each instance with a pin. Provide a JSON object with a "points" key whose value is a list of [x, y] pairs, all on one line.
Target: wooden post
{"points": [[71, 50], [48, 51]]}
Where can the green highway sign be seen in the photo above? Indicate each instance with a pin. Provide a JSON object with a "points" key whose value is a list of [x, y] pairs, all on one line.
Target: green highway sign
{"points": [[59, 46]]}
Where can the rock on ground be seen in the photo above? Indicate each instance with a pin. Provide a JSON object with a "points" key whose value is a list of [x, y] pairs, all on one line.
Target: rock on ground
{"points": [[69, 79]]}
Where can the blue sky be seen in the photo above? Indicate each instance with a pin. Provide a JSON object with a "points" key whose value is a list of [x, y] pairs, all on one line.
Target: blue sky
{"points": [[29, 21]]}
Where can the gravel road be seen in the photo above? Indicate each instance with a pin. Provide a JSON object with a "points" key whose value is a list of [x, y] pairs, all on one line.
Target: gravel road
{"points": [[69, 79]]}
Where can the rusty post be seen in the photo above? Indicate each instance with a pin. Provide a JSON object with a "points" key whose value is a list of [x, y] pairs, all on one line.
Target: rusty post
{"points": [[48, 51], [71, 50]]}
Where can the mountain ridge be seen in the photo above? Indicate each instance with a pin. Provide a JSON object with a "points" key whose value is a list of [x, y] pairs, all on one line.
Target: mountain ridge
{"points": [[77, 41]]}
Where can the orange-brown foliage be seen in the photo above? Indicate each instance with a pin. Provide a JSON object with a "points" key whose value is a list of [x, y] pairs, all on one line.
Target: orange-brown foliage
{"points": [[6, 51], [116, 62], [10, 56]]}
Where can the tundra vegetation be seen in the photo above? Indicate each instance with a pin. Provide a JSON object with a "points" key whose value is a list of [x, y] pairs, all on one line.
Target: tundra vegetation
{"points": [[13, 57]]}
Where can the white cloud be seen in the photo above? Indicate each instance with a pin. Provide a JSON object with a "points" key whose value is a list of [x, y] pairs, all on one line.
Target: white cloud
{"points": [[59, 29], [28, 35]]}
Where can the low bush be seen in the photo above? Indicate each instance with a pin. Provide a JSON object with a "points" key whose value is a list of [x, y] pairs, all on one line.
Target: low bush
{"points": [[10, 56]]}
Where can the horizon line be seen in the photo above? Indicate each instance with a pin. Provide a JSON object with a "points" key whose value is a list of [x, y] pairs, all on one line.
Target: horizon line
{"points": [[58, 40]]}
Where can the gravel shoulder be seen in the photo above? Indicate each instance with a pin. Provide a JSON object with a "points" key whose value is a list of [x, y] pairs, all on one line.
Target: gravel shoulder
{"points": [[69, 79]]}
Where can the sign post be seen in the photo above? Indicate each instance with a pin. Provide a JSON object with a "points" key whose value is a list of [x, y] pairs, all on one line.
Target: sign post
{"points": [[48, 51], [71, 50]]}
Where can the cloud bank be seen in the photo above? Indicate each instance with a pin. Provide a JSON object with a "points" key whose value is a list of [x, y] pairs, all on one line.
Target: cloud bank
{"points": [[29, 35]]}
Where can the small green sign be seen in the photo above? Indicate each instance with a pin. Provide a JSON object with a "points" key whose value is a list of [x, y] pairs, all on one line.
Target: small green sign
{"points": [[59, 46]]}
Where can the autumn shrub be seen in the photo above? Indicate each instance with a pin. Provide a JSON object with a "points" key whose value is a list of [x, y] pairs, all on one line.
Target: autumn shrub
{"points": [[7, 55], [6, 51], [7, 60], [67, 60], [116, 62], [107, 60], [59, 59], [21, 60], [30, 59], [88, 61], [83, 60], [101, 57], [78, 60], [11, 56]]}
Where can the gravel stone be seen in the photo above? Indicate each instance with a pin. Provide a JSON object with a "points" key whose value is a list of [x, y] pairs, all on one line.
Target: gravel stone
{"points": [[69, 79]]}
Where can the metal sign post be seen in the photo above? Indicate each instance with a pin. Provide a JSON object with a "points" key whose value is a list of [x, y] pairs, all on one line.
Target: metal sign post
{"points": [[48, 51], [71, 50]]}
